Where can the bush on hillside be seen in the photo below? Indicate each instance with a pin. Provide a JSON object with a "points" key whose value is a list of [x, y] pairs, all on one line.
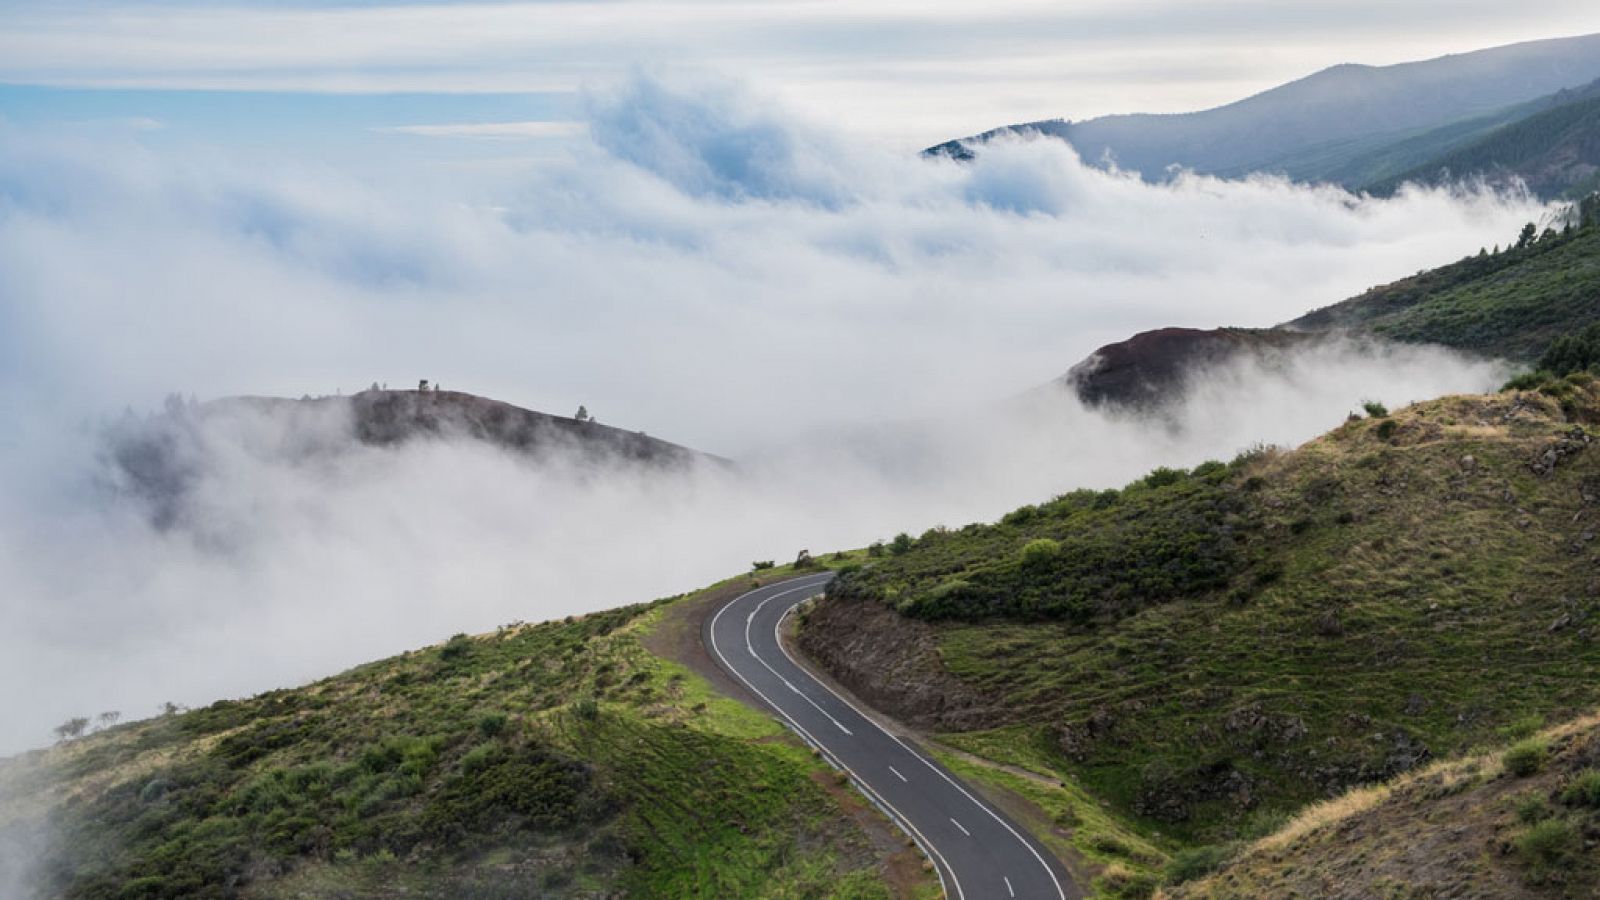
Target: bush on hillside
{"points": [[1547, 847], [1527, 757], [1163, 476], [1527, 381], [1572, 352], [1196, 862], [1039, 551], [1583, 789]]}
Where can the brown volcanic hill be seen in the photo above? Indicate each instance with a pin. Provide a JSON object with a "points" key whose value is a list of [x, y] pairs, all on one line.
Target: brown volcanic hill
{"points": [[1149, 369], [160, 457]]}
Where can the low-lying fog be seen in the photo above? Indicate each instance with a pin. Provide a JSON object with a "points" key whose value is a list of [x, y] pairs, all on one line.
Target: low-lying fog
{"points": [[853, 326]]}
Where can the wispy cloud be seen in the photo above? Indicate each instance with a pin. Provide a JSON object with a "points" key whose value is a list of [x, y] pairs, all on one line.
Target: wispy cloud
{"points": [[491, 130]]}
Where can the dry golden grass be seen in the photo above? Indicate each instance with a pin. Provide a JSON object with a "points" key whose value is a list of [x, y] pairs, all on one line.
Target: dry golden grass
{"points": [[1445, 773]]}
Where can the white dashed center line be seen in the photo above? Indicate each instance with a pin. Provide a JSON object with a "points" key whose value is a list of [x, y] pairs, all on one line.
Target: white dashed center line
{"points": [[897, 774], [1009, 889], [963, 830]]}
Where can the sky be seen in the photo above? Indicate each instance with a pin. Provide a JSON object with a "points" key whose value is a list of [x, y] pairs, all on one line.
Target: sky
{"points": [[698, 220], [908, 75]]}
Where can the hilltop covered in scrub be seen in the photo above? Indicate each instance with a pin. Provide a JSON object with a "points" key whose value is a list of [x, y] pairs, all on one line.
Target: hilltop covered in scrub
{"points": [[1209, 650]]}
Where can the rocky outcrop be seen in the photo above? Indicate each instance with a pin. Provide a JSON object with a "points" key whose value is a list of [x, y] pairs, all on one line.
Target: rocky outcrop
{"points": [[1148, 370]]}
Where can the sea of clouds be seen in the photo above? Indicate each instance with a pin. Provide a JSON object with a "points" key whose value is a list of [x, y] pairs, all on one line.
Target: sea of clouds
{"points": [[859, 328]]}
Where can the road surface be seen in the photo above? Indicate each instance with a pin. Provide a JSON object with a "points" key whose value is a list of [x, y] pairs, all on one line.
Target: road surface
{"points": [[978, 852]]}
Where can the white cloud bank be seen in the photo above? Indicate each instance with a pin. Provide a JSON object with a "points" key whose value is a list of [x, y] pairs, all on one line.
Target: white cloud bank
{"points": [[707, 269]]}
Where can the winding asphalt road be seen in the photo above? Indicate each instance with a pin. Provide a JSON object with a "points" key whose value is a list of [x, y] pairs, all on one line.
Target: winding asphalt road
{"points": [[978, 852]]}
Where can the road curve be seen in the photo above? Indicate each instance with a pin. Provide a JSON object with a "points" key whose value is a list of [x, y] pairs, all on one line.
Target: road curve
{"points": [[978, 852]]}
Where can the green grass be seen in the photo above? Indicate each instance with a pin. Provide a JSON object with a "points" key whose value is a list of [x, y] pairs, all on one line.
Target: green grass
{"points": [[1078, 826], [565, 752], [1379, 602]]}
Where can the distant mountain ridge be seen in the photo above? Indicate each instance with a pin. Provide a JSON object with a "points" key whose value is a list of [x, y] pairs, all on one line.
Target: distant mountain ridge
{"points": [[1328, 118]]}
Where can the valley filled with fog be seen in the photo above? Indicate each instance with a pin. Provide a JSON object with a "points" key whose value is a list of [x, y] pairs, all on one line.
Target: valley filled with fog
{"points": [[866, 333]]}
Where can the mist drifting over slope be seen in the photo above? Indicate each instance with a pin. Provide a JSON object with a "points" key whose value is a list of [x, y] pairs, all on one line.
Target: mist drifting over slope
{"points": [[706, 268]]}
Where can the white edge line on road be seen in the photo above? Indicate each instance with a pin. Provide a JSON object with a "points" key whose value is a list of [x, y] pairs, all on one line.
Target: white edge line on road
{"points": [[929, 763], [941, 865], [963, 829], [786, 683], [897, 774]]}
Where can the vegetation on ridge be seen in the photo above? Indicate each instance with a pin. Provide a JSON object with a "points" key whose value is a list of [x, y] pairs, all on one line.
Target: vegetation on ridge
{"points": [[557, 758], [1511, 303], [1401, 589]]}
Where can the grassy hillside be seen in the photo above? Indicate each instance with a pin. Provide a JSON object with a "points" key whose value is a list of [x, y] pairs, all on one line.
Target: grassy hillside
{"points": [[562, 758], [1206, 652], [1516, 822], [1510, 304]]}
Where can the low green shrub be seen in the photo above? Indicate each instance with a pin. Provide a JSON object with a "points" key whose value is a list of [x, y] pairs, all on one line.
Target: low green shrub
{"points": [[1527, 381], [1040, 551], [1531, 809], [1196, 862], [1527, 757], [1547, 846], [1583, 789], [456, 648], [1163, 476]]}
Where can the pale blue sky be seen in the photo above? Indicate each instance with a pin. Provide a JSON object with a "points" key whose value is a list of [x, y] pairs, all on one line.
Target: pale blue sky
{"points": [[905, 74]]}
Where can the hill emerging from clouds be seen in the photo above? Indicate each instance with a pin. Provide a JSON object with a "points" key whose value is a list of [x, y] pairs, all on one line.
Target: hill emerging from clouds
{"points": [[158, 458]]}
